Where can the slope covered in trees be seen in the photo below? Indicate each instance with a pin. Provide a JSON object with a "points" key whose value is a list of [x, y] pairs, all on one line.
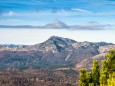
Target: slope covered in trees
{"points": [[36, 77], [100, 76]]}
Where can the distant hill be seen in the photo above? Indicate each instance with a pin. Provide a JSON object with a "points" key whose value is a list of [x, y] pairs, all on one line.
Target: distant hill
{"points": [[54, 51]]}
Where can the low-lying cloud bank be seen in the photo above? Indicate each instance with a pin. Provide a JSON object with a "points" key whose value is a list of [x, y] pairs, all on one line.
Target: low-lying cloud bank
{"points": [[61, 25]]}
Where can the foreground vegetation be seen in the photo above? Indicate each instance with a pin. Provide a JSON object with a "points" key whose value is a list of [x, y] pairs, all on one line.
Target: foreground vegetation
{"points": [[100, 76]]}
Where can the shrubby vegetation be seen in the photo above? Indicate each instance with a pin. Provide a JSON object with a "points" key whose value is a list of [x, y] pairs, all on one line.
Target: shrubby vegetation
{"points": [[36, 77], [104, 76]]}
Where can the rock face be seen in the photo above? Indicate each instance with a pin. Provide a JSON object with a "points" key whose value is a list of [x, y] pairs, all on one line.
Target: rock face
{"points": [[103, 51], [56, 44], [55, 50]]}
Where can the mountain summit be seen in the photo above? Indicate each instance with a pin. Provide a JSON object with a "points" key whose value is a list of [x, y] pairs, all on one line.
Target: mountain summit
{"points": [[57, 44], [66, 41]]}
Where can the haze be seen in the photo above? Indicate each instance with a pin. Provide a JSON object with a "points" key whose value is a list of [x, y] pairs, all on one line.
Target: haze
{"points": [[34, 36]]}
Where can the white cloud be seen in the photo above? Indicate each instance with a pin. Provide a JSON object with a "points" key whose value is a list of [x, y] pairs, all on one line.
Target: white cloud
{"points": [[10, 13], [81, 10]]}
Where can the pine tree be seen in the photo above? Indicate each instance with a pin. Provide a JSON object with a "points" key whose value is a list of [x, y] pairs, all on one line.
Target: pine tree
{"points": [[91, 84], [104, 73], [108, 67], [111, 61], [111, 80], [95, 72], [103, 77], [84, 77]]}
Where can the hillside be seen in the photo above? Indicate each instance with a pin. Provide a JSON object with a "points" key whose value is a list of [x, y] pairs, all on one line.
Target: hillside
{"points": [[54, 51]]}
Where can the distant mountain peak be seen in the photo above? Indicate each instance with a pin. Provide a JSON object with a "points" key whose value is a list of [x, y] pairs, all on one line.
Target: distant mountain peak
{"points": [[56, 43], [61, 39], [52, 38], [55, 36]]}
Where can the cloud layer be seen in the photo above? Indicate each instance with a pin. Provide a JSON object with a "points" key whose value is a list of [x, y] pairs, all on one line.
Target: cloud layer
{"points": [[61, 25]]}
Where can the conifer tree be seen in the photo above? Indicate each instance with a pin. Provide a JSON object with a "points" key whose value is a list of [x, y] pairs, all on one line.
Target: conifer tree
{"points": [[84, 77], [95, 72], [111, 80], [111, 61], [103, 77], [103, 73], [108, 67]]}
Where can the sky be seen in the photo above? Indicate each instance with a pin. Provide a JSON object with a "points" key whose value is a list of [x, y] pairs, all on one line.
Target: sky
{"points": [[71, 12]]}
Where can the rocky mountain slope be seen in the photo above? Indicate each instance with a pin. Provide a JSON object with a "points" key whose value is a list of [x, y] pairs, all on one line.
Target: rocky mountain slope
{"points": [[103, 51], [54, 51]]}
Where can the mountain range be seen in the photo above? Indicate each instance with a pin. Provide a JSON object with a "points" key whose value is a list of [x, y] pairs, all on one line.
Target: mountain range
{"points": [[54, 51]]}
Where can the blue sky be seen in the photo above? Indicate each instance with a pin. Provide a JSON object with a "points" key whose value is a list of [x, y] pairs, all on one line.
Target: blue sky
{"points": [[71, 12], [40, 12]]}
